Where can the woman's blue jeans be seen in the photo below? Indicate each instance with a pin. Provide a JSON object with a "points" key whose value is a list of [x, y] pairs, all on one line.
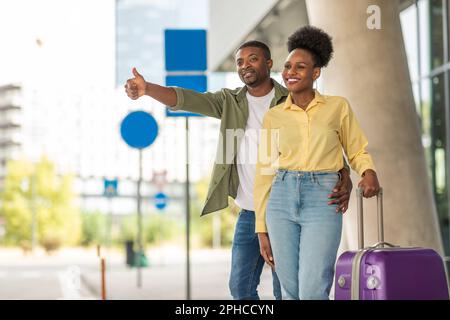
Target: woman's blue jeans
{"points": [[304, 232]]}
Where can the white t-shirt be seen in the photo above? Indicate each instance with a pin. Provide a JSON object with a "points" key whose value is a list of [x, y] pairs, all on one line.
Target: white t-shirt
{"points": [[247, 155]]}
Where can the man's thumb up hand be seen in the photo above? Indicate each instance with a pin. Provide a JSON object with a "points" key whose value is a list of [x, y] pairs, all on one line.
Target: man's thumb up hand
{"points": [[137, 74], [135, 87]]}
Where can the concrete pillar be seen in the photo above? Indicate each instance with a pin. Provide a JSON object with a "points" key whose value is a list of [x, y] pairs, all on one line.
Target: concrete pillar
{"points": [[370, 69]]}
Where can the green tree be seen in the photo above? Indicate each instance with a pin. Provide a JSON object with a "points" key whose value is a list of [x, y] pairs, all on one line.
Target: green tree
{"points": [[156, 229], [94, 228], [37, 189], [202, 227]]}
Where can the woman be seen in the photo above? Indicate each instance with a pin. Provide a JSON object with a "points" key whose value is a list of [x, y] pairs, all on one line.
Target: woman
{"points": [[303, 139]]}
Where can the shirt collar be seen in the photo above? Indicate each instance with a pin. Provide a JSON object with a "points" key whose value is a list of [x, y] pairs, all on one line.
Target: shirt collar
{"points": [[318, 98]]}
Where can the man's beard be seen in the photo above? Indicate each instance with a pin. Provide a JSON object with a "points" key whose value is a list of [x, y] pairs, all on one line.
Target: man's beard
{"points": [[252, 81]]}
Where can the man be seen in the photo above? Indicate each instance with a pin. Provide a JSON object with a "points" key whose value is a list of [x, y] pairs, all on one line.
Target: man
{"points": [[233, 173]]}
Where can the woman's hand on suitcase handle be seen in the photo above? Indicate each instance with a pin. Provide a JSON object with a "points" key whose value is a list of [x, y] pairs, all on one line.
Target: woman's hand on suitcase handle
{"points": [[369, 183], [341, 192], [265, 249]]}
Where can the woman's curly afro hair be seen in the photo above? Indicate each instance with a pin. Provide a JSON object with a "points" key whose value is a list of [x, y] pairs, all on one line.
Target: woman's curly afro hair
{"points": [[314, 40]]}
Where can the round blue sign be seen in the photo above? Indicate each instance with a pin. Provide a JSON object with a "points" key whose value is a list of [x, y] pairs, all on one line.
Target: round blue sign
{"points": [[161, 200], [139, 129]]}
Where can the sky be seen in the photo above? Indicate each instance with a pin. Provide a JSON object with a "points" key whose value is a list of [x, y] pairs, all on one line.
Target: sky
{"points": [[70, 41], [57, 42]]}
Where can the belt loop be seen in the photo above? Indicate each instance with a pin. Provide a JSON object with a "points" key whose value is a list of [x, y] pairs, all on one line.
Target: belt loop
{"points": [[284, 173]]}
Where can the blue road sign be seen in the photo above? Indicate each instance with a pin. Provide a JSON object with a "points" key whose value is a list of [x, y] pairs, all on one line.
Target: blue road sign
{"points": [[139, 129], [185, 52], [193, 82], [110, 188], [191, 44], [161, 200]]}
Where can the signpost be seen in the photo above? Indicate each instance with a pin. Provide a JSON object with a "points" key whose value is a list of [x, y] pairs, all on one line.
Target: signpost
{"points": [[161, 200], [185, 60], [139, 130], [110, 191], [110, 188]]}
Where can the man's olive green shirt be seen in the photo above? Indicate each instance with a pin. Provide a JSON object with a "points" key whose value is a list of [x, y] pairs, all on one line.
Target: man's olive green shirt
{"points": [[231, 107]]}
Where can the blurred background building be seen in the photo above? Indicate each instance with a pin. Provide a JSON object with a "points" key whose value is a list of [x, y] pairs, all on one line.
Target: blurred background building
{"points": [[73, 118]]}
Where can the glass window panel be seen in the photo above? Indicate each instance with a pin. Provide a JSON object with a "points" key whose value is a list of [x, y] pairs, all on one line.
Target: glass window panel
{"points": [[439, 153], [424, 33], [408, 19], [448, 30], [437, 33], [431, 35], [438, 109]]}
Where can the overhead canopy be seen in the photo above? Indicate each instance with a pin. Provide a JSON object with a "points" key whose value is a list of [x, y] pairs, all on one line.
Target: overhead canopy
{"points": [[233, 22]]}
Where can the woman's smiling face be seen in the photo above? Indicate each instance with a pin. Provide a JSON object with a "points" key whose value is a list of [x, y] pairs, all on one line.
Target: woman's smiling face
{"points": [[299, 72]]}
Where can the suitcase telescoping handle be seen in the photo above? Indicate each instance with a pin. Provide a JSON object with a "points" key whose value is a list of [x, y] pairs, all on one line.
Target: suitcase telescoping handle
{"points": [[360, 218]]}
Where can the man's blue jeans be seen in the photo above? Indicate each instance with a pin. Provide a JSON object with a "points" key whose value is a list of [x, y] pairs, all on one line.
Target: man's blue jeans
{"points": [[304, 232], [246, 261]]}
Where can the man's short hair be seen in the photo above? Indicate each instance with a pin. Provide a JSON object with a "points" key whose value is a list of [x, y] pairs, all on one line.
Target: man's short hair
{"points": [[257, 44]]}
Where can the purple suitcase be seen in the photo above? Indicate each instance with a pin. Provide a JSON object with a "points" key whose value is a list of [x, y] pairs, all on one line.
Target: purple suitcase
{"points": [[387, 272]]}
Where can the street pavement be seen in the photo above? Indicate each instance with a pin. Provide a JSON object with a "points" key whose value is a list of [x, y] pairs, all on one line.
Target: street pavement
{"points": [[75, 274]]}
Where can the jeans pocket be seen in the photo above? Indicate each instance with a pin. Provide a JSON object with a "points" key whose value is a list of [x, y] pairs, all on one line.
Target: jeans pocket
{"points": [[327, 181]]}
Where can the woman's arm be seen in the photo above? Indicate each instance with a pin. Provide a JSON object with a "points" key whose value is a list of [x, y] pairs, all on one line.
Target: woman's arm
{"points": [[265, 171], [354, 143]]}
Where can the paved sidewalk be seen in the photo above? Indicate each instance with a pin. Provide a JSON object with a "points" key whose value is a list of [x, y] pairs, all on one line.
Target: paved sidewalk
{"points": [[165, 278], [40, 276]]}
